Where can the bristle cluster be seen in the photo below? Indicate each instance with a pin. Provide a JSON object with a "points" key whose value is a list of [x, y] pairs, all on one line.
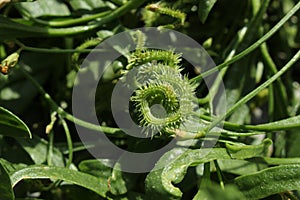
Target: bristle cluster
{"points": [[167, 11], [138, 58]]}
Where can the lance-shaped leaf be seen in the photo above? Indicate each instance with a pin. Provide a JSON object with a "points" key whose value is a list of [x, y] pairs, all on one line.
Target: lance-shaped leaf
{"points": [[270, 181], [204, 9], [11, 125], [6, 191], [96, 184]]}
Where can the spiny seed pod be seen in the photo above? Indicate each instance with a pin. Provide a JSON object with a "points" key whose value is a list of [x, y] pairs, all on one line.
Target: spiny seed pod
{"points": [[167, 11], [140, 57], [164, 98]]}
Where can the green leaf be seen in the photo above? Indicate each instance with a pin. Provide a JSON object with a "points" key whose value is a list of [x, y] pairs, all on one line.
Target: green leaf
{"points": [[241, 151], [292, 143], [159, 182], [240, 167], [11, 125], [37, 149], [284, 124], [6, 191], [14, 29], [172, 167], [213, 192], [119, 182], [11, 167], [41, 8], [96, 184], [95, 168], [204, 9], [270, 181], [87, 4]]}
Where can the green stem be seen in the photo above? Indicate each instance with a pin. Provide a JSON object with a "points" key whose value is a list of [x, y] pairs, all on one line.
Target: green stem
{"points": [[253, 46], [22, 30], [249, 96], [69, 141], [108, 130], [70, 22], [271, 105], [205, 181], [219, 174], [55, 51], [283, 98], [244, 37], [50, 148], [284, 124], [83, 46]]}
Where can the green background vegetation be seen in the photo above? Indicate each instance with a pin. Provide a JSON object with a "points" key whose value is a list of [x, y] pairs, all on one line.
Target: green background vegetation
{"points": [[255, 45]]}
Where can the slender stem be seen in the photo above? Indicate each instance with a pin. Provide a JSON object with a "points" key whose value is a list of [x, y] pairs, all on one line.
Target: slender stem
{"points": [[205, 181], [108, 130], [47, 50], [70, 22], [83, 46], [271, 105], [244, 37], [69, 141], [249, 96], [50, 148], [284, 124], [253, 46], [283, 98], [184, 135], [219, 174], [22, 30], [203, 100]]}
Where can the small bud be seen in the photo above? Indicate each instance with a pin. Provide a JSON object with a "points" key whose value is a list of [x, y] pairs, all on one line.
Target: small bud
{"points": [[9, 62], [152, 7], [4, 69], [49, 127]]}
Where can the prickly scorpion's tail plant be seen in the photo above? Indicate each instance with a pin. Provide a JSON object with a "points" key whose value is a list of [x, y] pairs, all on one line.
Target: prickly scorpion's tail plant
{"points": [[164, 99]]}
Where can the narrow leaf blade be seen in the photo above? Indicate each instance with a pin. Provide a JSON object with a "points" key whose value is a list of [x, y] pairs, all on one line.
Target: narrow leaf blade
{"points": [[270, 181], [11, 125], [204, 9], [90, 182], [6, 191]]}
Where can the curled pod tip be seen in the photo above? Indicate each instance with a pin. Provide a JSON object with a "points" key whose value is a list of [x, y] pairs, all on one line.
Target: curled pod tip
{"points": [[164, 99]]}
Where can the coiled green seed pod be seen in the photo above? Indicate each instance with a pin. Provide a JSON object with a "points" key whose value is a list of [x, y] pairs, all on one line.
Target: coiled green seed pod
{"points": [[164, 98]]}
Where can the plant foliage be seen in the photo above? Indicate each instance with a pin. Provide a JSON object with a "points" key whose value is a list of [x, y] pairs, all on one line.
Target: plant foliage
{"points": [[255, 45]]}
